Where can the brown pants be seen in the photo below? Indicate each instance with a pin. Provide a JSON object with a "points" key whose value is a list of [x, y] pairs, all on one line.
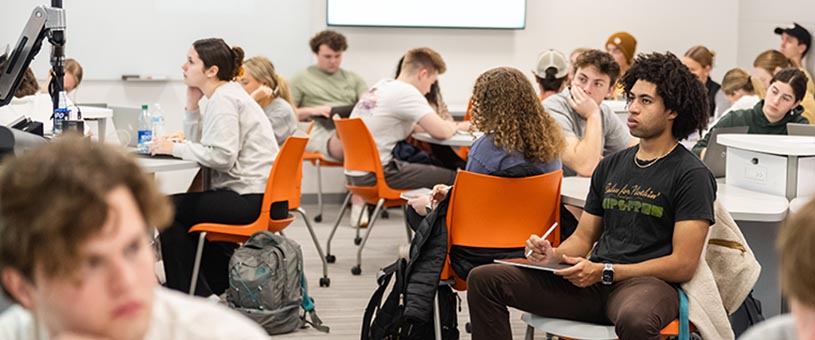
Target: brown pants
{"points": [[638, 308]]}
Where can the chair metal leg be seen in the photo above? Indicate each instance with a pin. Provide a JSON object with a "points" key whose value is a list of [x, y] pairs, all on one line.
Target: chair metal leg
{"points": [[324, 281], [196, 266], [436, 316], [358, 226], [330, 258], [530, 333], [319, 217], [358, 269]]}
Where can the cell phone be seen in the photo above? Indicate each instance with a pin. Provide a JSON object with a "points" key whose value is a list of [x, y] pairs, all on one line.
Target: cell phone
{"points": [[409, 195]]}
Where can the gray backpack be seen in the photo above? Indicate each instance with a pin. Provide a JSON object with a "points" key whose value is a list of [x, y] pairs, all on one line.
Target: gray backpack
{"points": [[266, 283]]}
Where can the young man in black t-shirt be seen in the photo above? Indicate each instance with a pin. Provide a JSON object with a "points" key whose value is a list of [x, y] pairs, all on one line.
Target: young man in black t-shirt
{"points": [[648, 209]]}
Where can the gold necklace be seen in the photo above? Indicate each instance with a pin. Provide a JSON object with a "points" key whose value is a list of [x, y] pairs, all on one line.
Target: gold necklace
{"points": [[650, 163]]}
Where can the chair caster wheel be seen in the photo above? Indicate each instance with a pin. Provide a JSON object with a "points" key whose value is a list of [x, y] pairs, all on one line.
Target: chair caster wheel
{"points": [[385, 214], [325, 282], [318, 218], [357, 241], [356, 270], [330, 258]]}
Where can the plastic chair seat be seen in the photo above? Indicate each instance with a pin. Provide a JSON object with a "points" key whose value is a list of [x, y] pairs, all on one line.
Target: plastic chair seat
{"points": [[577, 330]]}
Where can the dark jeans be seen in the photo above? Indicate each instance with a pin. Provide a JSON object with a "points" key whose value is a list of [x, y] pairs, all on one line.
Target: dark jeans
{"points": [[178, 246], [638, 308]]}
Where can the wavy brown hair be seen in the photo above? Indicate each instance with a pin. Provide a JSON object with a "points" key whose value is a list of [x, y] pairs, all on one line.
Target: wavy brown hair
{"points": [[507, 109]]}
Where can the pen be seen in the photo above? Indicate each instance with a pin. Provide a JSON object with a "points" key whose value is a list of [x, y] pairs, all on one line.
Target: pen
{"points": [[552, 228]]}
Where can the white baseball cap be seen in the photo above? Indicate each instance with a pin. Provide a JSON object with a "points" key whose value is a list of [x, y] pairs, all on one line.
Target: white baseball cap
{"points": [[552, 58]]}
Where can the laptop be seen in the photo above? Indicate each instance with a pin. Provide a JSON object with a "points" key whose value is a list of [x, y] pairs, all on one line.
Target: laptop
{"points": [[795, 129], [126, 122], [716, 154], [342, 111]]}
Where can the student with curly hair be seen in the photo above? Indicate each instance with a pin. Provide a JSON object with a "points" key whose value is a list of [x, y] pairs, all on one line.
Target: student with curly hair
{"points": [[518, 131], [640, 201], [769, 116], [271, 91], [234, 139]]}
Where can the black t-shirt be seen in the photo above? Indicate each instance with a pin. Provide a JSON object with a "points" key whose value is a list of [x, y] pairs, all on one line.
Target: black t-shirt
{"points": [[640, 206]]}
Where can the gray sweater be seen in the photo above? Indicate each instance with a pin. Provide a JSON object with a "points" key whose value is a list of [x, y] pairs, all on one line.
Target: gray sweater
{"points": [[233, 138], [282, 117]]}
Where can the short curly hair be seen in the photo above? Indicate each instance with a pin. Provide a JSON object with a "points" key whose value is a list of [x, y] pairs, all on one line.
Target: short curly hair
{"points": [[506, 107], [334, 40], [603, 61], [679, 89]]}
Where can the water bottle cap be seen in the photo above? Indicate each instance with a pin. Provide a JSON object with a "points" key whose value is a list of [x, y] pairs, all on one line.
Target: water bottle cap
{"points": [[144, 107]]}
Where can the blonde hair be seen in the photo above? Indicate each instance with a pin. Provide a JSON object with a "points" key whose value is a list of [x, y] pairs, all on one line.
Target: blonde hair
{"points": [[423, 58], [506, 107], [701, 55], [262, 69], [796, 246], [737, 79], [769, 60], [73, 67]]}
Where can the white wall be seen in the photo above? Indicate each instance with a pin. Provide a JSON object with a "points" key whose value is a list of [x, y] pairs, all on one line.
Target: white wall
{"points": [[736, 30], [758, 19]]}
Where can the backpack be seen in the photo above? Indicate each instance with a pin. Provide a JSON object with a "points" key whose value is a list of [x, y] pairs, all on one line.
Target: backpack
{"points": [[406, 312], [748, 314], [266, 284], [390, 323]]}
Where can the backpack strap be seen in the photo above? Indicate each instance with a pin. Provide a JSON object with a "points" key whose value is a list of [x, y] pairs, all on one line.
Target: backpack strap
{"points": [[383, 279], [684, 323], [753, 307], [308, 308]]}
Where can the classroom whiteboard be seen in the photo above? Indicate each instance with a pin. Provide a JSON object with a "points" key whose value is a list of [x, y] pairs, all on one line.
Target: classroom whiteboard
{"points": [[151, 37]]}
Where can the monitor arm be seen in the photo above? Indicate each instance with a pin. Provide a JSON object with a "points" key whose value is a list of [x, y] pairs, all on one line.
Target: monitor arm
{"points": [[45, 22]]}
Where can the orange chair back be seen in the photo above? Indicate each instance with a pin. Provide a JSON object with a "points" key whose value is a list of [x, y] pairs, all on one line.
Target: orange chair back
{"points": [[283, 185], [286, 175], [361, 154], [497, 212]]}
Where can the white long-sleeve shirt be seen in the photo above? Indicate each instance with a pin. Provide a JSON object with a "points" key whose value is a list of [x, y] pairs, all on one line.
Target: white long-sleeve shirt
{"points": [[234, 138]]}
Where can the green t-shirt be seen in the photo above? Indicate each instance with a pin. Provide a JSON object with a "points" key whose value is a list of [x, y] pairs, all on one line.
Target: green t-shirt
{"points": [[313, 87]]}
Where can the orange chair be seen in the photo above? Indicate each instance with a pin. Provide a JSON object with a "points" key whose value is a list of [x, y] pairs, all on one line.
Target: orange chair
{"points": [[283, 185], [575, 330], [496, 212], [318, 161], [362, 155]]}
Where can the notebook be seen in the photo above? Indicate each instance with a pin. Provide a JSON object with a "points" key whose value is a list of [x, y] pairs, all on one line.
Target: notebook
{"points": [[524, 263], [342, 111], [716, 154]]}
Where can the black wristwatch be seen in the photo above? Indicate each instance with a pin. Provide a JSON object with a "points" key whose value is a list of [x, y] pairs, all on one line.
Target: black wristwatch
{"points": [[608, 274]]}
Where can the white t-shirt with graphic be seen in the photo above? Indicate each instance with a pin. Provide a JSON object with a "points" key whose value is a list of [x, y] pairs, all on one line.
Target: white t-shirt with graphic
{"points": [[390, 110]]}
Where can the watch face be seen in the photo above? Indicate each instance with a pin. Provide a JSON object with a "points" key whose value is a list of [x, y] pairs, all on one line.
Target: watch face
{"points": [[608, 276]]}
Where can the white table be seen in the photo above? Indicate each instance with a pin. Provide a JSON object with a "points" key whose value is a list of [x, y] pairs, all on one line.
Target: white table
{"points": [[153, 165], [758, 216], [459, 139], [774, 164]]}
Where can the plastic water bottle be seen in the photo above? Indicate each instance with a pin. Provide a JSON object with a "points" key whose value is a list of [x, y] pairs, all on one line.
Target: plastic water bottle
{"points": [[145, 131], [157, 121], [61, 114]]}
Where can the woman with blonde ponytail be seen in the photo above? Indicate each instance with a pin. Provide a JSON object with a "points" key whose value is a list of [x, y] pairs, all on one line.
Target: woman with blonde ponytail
{"points": [[271, 91], [233, 138], [699, 60]]}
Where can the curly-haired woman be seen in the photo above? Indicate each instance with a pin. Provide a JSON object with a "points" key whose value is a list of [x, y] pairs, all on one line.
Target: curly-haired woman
{"points": [[517, 130]]}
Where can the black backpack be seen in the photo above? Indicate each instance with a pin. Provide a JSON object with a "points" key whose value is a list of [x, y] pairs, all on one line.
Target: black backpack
{"points": [[748, 314], [390, 323]]}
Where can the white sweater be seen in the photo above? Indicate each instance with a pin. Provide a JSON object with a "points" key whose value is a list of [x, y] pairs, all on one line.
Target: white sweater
{"points": [[233, 138]]}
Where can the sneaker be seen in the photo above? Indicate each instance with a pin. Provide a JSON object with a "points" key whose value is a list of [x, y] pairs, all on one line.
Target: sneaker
{"points": [[356, 210]]}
